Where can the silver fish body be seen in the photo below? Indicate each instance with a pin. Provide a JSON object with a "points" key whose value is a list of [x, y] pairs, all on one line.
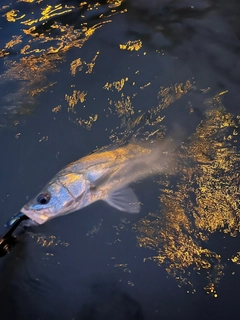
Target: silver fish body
{"points": [[102, 175]]}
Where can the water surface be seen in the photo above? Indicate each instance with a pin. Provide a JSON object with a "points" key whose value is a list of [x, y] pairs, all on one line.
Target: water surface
{"points": [[77, 76]]}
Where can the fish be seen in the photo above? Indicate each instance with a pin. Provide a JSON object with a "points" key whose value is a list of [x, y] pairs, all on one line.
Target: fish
{"points": [[103, 175]]}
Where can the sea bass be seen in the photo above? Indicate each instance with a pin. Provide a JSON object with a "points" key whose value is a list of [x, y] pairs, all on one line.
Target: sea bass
{"points": [[103, 176]]}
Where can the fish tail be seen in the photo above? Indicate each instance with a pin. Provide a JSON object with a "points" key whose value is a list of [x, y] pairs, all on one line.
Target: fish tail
{"points": [[163, 154]]}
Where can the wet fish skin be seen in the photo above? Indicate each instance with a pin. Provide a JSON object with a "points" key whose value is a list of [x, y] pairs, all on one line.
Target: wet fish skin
{"points": [[104, 176]]}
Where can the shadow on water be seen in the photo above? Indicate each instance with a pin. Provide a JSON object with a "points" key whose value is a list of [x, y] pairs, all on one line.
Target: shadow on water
{"points": [[102, 299], [10, 276], [107, 301], [204, 35]]}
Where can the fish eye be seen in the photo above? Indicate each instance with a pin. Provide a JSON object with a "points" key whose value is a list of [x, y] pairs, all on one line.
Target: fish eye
{"points": [[43, 198]]}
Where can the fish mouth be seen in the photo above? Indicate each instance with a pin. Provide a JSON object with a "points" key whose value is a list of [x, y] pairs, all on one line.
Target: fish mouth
{"points": [[35, 216], [20, 219]]}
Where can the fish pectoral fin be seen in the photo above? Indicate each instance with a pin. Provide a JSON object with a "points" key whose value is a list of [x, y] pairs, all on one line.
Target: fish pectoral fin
{"points": [[124, 200], [98, 178]]}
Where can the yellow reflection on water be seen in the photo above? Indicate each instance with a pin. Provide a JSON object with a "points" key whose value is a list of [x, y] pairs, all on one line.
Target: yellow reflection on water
{"points": [[48, 241], [30, 1], [124, 106], [13, 15], [76, 65], [92, 63], [170, 94], [115, 3], [56, 109], [31, 69], [118, 85], [87, 123], [52, 11], [3, 53], [131, 45], [44, 47], [73, 99], [204, 200], [90, 31], [5, 7], [236, 258], [15, 40]]}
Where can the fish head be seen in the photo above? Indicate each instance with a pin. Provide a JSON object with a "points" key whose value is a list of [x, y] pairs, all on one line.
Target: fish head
{"points": [[59, 197]]}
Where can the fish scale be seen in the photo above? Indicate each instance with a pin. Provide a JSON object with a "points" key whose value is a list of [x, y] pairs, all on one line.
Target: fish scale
{"points": [[104, 175]]}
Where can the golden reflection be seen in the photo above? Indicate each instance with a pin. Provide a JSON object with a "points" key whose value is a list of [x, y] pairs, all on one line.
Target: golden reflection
{"points": [[33, 92], [33, 71], [124, 106], [3, 53], [30, 1], [29, 22], [51, 11], [48, 241], [95, 229], [28, 68], [118, 85], [92, 63], [73, 99], [76, 65], [114, 3], [205, 198], [236, 258], [15, 40], [25, 49], [90, 31], [30, 31], [42, 53], [131, 45], [87, 123], [172, 93], [57, 109], [46, 39], [146, 85], [13, 15], [5, 7]]}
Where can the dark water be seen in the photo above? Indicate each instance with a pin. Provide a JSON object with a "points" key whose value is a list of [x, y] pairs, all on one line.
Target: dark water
{"points": [[76, 76]]}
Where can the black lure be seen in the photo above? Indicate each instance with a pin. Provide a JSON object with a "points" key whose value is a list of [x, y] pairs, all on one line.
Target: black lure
{"points": [[8, 241]]}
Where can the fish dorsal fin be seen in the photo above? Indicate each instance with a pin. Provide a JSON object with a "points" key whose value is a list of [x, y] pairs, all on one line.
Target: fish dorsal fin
{"points": [[124, 200]]}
